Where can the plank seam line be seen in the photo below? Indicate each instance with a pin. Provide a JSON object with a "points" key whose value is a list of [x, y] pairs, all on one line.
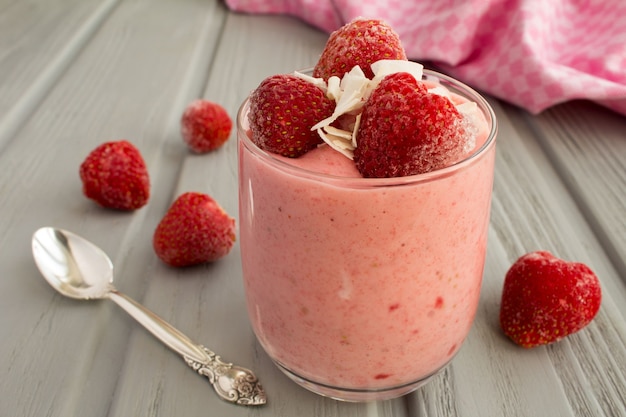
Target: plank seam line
{"points": [[605, 240], [193, 87], [26, 106]]}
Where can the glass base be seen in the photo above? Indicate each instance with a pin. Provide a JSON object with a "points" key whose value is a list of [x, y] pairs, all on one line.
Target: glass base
{"points": [[359, 394]]}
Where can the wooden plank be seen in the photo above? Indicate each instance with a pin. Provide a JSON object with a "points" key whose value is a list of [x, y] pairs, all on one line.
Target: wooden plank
{"points": [[587, 145], [109, 70], [65, 357], [38, 41]]}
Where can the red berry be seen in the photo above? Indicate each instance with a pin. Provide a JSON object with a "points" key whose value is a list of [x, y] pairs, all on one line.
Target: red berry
{"points": [[546, 299], [360, 42], [115, 176], [405, 130], [205, 126], [194, 230], [283, 109]]}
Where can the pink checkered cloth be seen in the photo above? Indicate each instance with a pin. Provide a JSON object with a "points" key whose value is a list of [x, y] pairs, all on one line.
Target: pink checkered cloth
{"points": [[532, 53]]}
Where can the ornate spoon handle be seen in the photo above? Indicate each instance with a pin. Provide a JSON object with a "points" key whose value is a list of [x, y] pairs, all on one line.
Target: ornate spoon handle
{"points": [[231, 383]]}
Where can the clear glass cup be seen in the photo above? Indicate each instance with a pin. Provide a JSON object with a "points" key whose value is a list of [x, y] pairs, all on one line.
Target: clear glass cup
{"points": [[357, 288]]}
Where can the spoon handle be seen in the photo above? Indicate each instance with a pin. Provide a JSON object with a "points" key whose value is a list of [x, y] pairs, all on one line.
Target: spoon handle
{"points": [[162, 330], [231, 383]]}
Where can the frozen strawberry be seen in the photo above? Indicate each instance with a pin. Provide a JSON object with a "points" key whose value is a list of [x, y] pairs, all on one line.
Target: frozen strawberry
{"points": [[115, 176], [546, 299], [194, 230], [283, 109], [205, 126], [406, 130], [360, 42]]}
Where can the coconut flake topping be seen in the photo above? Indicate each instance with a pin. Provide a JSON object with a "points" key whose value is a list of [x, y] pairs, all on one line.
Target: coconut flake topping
{"points": [[350, 94]]}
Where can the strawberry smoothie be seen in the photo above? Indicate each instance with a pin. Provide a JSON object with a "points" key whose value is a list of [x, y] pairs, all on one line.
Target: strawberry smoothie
{"points": [[361, 288]]}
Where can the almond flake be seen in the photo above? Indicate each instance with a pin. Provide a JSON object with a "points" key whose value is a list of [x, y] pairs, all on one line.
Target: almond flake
{"points": [[440, 90], [319, 82], [337, 142], [386, 67]]}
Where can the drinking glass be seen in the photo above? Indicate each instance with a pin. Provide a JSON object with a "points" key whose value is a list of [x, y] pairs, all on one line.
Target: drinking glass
{"points": [[363, 288]]}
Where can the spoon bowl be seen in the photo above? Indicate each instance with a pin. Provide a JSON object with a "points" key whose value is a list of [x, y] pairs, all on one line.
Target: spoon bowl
{"points": [[79, 269], [73, 266]]}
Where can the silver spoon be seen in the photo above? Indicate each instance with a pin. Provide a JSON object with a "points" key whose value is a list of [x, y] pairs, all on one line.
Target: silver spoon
{"points": [[78, 269]]}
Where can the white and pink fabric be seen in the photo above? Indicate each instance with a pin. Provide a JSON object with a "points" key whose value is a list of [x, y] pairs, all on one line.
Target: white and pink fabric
{"points": [[532, 53]]}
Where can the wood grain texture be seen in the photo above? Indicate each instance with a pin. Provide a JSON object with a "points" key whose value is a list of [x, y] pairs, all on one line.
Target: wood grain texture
{"points": [[40, 39], [587, 144], [74, 74]]}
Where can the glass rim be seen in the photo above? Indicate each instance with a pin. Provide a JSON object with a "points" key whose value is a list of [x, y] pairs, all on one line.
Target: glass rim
{"points": [[363, 182]]}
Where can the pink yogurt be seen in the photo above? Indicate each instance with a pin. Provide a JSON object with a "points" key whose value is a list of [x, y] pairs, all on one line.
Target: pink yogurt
{"points": [[362, 289]]}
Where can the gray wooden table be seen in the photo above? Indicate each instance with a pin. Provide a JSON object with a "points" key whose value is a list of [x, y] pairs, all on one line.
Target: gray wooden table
{"points": [[76, 73]]}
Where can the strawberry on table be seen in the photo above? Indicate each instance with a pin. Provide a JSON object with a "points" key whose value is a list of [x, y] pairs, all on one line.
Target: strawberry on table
{"points": [[115, 176], [205, 126], [545, 299], [405, 130], [283, 109], [194, 230], [360, 42]]}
